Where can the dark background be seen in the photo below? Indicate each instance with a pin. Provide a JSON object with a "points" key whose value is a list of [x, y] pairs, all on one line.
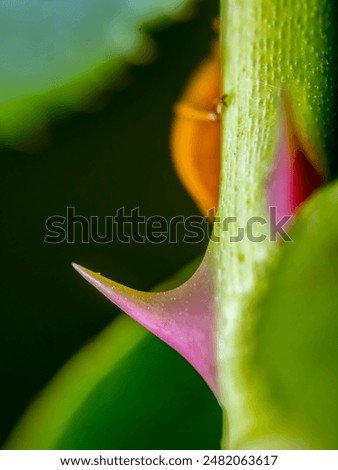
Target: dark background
{"points": [[115, 155]]}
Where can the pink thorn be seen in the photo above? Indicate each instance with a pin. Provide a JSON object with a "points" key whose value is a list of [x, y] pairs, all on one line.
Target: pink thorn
{"points": [[293, 178], [182, 317]]}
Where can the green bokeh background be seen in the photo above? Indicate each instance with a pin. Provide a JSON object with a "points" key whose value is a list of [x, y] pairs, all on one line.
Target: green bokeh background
{"points": [[117, 154]]}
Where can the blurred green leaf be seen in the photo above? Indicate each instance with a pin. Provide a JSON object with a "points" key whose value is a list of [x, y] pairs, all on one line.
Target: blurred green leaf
{"points": [[296, 352], [57, 54], [125, 390]]}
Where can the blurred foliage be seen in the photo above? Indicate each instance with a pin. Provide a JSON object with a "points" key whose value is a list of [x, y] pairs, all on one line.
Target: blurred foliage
{"points": [[57, 54], [119, 391], [85, 161], [296, 353]]}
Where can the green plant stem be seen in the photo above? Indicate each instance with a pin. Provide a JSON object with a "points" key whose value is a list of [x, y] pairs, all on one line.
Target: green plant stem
{"points": [[267, 46]]}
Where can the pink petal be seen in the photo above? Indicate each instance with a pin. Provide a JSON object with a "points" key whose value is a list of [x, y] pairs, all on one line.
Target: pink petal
{"points": [[182, 317]]}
